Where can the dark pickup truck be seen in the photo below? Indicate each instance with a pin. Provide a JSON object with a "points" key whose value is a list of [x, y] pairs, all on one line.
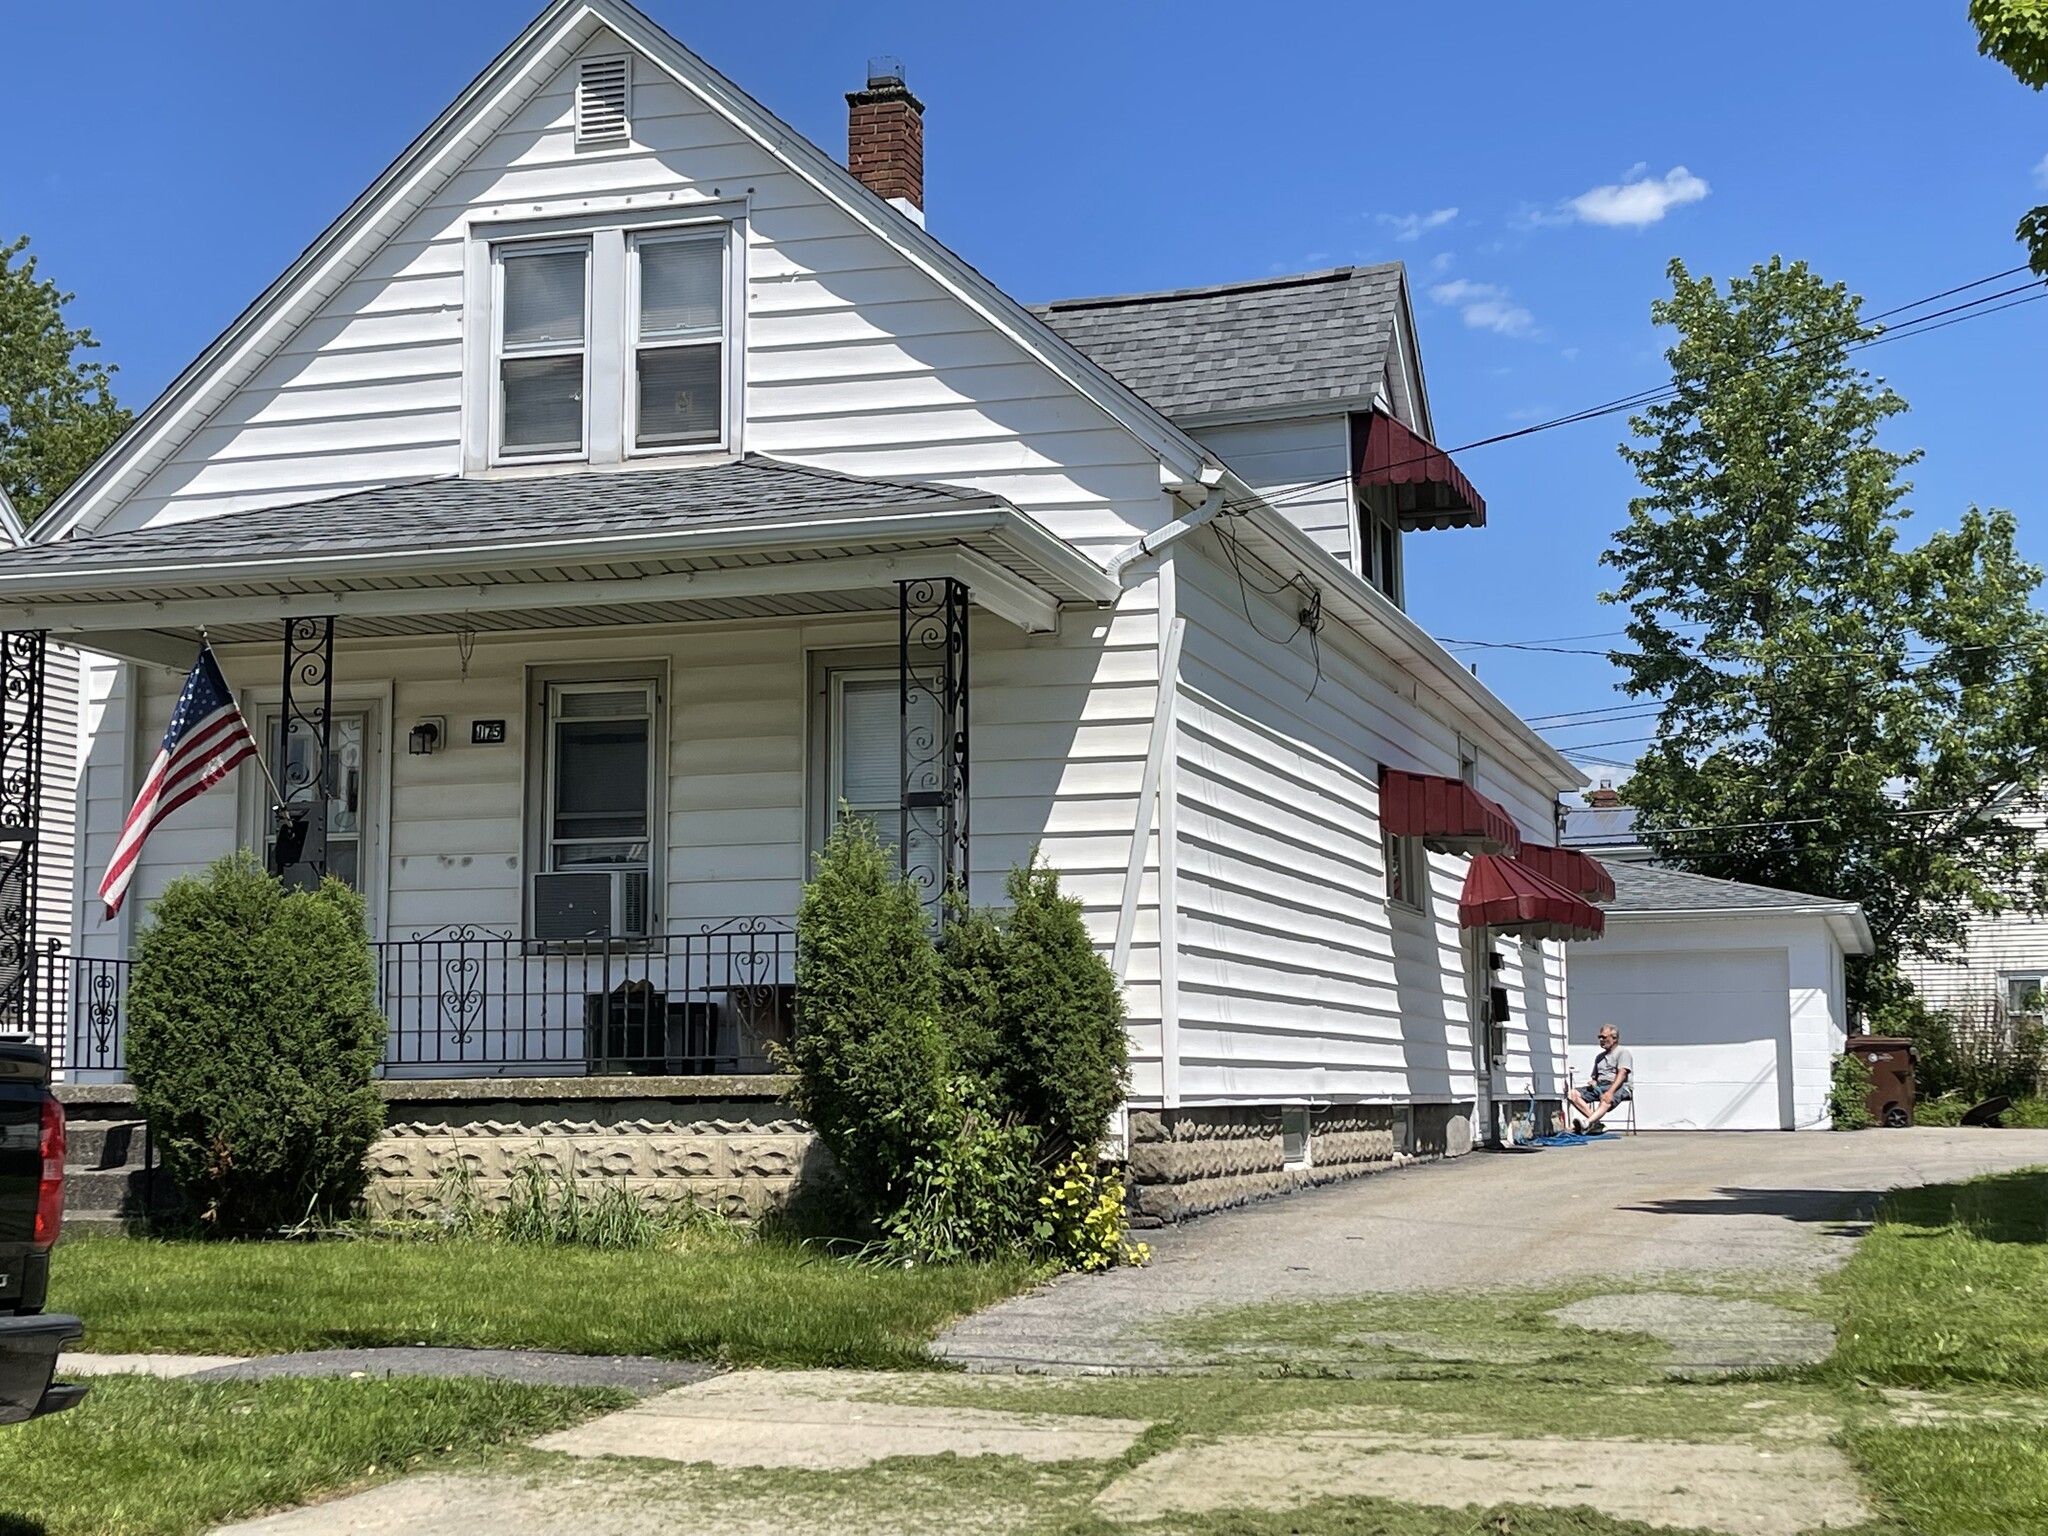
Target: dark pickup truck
{"points": [[31, 1211]]}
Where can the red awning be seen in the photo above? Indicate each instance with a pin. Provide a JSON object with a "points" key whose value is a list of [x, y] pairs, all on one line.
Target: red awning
{"points": [[1429, 490], [1509, 896], [1449, 815], [1568, 867]]}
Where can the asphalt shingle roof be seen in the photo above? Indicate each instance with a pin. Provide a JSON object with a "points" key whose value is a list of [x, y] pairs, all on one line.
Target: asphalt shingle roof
{"points": [[456, 511], [1647, 888], [1194, 352]]}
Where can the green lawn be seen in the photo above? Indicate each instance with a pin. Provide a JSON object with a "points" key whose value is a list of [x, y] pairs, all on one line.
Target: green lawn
{"points": [[1949, 1295], [716, 1297], [162, 1458]]}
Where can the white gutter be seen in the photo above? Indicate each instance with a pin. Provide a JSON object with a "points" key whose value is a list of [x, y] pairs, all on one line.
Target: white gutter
{"points": [[1159, 538]]}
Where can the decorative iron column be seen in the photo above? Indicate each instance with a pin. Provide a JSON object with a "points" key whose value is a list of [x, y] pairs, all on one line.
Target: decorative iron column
{"points": [[932, 667], [22, 656], [304, 769]]}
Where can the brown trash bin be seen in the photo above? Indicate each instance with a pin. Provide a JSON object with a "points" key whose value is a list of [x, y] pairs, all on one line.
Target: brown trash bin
{"points": [[1891, 1059]]}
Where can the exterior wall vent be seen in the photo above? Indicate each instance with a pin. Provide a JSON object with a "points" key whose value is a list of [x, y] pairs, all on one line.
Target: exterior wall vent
{"points": [[603, 102]]}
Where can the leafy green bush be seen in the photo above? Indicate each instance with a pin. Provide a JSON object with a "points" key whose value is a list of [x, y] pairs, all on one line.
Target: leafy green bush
{"points": [[972, 1190], [1974, 1051], [2028, 1114], [1946, 1110], [871, 1059], [1849, 1094], [1082, 1223], [253, 1037], [1061, 1059]]}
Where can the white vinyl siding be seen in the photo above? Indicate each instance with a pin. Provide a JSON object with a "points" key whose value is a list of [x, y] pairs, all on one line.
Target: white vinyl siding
{"points": [[1303, 465]]}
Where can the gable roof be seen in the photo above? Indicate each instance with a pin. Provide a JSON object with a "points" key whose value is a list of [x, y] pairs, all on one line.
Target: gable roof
{"points": [[1316, 338], [438, 153], [1650, 888]]}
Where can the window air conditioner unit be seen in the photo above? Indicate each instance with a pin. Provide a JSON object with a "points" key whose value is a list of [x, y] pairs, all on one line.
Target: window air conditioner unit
{"points": [[590, 904]]}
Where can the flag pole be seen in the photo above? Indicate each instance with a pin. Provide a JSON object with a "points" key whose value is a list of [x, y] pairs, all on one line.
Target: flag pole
{"points": [[277, 794]]}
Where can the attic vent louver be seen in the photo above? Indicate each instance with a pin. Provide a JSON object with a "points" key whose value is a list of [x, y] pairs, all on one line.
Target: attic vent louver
{"points": [[601, 102]]}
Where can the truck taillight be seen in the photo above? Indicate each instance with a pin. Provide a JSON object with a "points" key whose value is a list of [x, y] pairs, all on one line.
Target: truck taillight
{"points": [[50, 1188]]}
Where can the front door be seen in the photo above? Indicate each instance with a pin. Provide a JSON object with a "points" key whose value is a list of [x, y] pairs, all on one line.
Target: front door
{"points": [[349, 811], [1479, 1009]]}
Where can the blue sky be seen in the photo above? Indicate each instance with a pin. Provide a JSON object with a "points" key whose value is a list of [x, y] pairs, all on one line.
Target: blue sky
{"points": [[188, 151]]}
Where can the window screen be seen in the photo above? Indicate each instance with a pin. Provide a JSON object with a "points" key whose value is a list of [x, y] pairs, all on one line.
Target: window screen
{"points": [[541, 361], [600, 777], [679, 354]]}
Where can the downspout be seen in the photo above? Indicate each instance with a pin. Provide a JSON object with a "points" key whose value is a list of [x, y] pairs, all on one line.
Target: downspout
{"points": [[1159, 538]]}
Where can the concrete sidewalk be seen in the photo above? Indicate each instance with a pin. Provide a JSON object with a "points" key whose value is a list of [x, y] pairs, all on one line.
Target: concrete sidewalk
{"points": [[1665, 1203]]}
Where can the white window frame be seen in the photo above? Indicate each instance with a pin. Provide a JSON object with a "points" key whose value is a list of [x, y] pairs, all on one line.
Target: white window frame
{"points": [[608, 226], [499, 355], [373, 850], [630, 362], [537, 804], [2007, 980]]}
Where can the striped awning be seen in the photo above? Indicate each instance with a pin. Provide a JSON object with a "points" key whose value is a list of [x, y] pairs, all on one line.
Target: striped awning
{"points": [[1449, 815], [1577, 872]]}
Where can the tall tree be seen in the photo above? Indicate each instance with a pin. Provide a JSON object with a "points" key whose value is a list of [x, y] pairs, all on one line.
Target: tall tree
{"points": [[57, 409], [2015, 32], [1839, 714]]}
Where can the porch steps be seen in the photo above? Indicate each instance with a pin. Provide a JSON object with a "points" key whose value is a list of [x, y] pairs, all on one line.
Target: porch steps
{"points": [[108, 1183]]}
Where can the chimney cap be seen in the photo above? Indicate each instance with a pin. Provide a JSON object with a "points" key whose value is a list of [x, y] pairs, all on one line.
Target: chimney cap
{"points": [[885, 70]]}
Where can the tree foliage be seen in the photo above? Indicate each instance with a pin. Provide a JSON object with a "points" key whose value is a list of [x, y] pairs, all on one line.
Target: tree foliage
{"points": [[1856, 719], [2015, 32], [253, 1037], [57, 410]]}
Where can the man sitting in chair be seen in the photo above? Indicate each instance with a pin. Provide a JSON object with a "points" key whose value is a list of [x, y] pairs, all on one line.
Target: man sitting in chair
{"points": [[1612, 1069]]}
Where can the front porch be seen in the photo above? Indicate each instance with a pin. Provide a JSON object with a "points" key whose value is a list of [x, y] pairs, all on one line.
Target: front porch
{"points": [[574, 739]]}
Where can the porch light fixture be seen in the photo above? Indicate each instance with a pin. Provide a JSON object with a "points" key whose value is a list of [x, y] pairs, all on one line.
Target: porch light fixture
{"points": [[424, 739]]}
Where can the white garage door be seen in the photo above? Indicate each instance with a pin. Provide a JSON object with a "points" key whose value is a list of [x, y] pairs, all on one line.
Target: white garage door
{"points": [[1711, 1033]]}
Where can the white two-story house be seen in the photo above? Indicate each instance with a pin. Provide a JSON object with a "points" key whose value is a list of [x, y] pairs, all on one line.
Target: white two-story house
{"points": [[622, 488]]}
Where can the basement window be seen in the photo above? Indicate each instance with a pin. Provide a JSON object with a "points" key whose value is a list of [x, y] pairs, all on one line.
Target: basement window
{"points": [[1294, 1142]]}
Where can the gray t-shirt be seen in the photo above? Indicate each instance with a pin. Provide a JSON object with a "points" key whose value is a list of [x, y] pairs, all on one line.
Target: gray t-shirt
{"points": [[1609, 1065]]}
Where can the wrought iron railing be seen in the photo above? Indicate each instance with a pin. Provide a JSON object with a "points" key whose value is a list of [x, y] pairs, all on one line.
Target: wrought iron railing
{"points": [[717, 998]]}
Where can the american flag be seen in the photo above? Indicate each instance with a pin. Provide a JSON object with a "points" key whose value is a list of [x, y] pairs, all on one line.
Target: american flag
{"points": [[206, 739]]}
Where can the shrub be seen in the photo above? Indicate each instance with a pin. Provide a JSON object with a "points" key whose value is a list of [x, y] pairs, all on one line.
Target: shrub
{"points": [[1082, 1222], [972, 1191], [253, 1037], [1062, 1059], [1849, 1094], [871, 1060], [1974, 1051]]}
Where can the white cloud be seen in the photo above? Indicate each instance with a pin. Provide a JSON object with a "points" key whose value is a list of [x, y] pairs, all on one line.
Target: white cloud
{"points": [[1441, 261], [1485, 306], [1413, 226], [1639, 199], [2041, 172]]}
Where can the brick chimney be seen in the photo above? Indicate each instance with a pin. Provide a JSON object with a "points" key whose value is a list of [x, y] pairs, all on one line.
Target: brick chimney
{"points": [[885, 137], [1604, 798]]}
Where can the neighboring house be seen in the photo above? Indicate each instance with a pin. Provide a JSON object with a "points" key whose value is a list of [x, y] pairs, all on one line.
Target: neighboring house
{"points": [[2000, 971], [628, 487], [1729, 995], [1605, 827]]}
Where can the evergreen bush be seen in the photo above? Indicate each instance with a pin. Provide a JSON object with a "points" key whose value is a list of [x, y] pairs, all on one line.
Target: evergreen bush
{"points": [[253, 1038], [871, 1058], [1062, 1059]]}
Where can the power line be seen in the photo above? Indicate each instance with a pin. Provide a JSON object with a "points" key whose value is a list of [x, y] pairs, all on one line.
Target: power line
{"points": [[1916, 326]]}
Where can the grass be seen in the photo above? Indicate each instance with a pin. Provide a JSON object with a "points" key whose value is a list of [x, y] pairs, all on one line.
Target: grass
{"points": [[141, 1457], [717, 1297], [1949, 1295], [1950, 1288]]}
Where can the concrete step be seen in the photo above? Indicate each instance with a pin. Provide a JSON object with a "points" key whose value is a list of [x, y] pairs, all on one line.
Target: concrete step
{"points": [[116, 1192], [90, 1144]]}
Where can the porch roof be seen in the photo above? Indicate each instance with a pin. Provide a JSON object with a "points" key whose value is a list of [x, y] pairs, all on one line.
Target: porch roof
{"points": [[748, 538]]}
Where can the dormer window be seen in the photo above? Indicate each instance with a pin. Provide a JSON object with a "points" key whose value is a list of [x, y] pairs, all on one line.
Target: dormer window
{"points": [[605, 338], [543, 313]]}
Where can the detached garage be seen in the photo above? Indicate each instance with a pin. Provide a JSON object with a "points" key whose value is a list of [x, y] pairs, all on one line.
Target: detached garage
{"points": [[1729, 995]]}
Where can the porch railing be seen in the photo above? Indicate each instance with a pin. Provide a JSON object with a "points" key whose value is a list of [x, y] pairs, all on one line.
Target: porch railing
{"points": [[717, 998]]}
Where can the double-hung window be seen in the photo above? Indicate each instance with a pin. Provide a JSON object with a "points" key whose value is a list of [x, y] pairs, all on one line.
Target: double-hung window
{"points": [[543, 362], [1404, 859], [679, 340], [866, 767]]}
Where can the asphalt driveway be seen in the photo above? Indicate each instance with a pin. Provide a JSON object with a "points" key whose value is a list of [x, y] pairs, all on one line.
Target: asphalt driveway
{"points": [[1701, 1203]]}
